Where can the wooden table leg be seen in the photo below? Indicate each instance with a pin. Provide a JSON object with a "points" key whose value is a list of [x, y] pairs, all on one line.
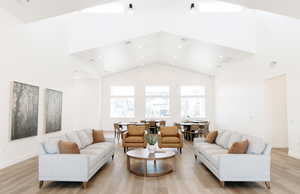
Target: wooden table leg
{"points": [[145, 168], [128, 163], [174, 163]]}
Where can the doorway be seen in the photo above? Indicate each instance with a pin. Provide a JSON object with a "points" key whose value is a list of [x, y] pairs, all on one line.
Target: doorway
{"points": [[276, 107]]}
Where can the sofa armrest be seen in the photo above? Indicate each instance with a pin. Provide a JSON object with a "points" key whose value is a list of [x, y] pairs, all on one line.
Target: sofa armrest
{"points": [[248, 167], [125, 134], [63, 167]]}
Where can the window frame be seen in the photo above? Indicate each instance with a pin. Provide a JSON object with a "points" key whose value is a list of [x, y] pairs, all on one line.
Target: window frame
{"points": [[121, 97], [201, 96], [157, 96]]}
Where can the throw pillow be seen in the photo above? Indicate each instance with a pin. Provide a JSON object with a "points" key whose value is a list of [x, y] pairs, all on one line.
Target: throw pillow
{"points": [[239, 147], [211, 137], [67, 147], [98, 136], [73, 137], [224, 139]]}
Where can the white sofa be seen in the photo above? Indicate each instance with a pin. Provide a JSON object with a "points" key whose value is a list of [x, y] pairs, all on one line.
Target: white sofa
{"points": [[254, 166], [54, 166]]}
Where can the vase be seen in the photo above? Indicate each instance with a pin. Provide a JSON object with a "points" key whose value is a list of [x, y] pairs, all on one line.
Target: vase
{"points": [[151, 149]]}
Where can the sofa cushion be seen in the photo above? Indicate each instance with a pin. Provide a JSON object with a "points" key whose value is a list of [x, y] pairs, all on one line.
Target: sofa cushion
{"points": [[170, 140], [98, 136], [67, 147], [169, 131], [235, 137], [135, 139], [136, 131], [84, 138], [239, 147], [211, 137], [211, 152], [223, 139], [73, 137], [256, 145]]}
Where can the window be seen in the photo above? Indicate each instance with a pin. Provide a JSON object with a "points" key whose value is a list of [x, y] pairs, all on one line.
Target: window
{"points": [[193, 102], [122, 102], [157, 101]]}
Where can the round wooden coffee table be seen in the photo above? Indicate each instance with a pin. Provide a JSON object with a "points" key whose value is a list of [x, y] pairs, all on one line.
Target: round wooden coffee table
{"points": [[150, 164]]}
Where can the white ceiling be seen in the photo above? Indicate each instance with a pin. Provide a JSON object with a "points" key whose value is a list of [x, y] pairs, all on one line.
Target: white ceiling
{"points": [[31, 10], [161, 48]]}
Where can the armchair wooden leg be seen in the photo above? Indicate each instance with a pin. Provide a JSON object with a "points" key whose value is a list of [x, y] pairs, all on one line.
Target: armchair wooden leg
{"points": [[112, 157], [222, 183], [180, 150], [195, 156], [124, 149], [41, 184], [268, 185], [84, 185]]}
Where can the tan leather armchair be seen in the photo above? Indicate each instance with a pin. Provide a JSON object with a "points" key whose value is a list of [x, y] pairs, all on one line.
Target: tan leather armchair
{"points": [[170, 137], [134, 137]]}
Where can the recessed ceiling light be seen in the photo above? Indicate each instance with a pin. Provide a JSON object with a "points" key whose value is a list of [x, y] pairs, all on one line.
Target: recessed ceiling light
{"points": [[140, 46], [180, 46]]}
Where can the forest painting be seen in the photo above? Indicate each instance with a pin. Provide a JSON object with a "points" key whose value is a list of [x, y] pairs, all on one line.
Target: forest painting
{"points": [[53, 110], [24, 110]]}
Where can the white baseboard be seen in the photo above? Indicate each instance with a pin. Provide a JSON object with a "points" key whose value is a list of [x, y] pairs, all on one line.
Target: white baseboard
{"points": [[294, 155], [19, 159]]}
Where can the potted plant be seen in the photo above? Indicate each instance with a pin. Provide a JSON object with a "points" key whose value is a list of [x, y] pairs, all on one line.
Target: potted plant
{"points": [[151, 139]]}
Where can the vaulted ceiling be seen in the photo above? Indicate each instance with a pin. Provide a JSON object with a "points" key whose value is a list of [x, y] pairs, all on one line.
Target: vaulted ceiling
{"points": [[162, 48], [159, 31]]}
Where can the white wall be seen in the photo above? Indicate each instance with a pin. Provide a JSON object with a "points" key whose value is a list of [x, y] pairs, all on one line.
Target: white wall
{"points": [[240, 93], [37, 54], [155, 75]]}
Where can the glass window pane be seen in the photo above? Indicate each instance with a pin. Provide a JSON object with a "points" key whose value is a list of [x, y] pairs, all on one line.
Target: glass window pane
{"points": [[122, 91], [157, 107], [193, 107], [192, 91], [122, 107], [157, 90]]}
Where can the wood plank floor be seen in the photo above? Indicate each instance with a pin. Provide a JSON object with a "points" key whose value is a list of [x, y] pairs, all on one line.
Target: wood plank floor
{"points": [[190, 178]]}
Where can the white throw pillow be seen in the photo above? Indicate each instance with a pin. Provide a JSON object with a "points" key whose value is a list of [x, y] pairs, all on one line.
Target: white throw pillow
{"points": [[84, 138], [256, 145], [220, 134], [90, 135], [235, 137], [51, 145], [224, 139], [73, 137]]}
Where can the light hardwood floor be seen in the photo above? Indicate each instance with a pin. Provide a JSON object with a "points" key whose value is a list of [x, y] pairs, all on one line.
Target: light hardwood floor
{"points": [[190, 178]]}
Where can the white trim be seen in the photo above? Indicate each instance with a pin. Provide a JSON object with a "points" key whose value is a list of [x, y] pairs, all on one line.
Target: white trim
{"points": [[18, 160], [294, 155]]}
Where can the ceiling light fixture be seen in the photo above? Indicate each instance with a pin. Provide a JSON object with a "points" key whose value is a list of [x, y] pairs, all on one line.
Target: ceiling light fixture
{"points": [[130, 8], [192, 7]]}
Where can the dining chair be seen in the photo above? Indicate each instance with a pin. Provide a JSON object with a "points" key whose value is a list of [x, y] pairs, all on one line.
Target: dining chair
{"points": [[118, 131], [194, 131]]}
